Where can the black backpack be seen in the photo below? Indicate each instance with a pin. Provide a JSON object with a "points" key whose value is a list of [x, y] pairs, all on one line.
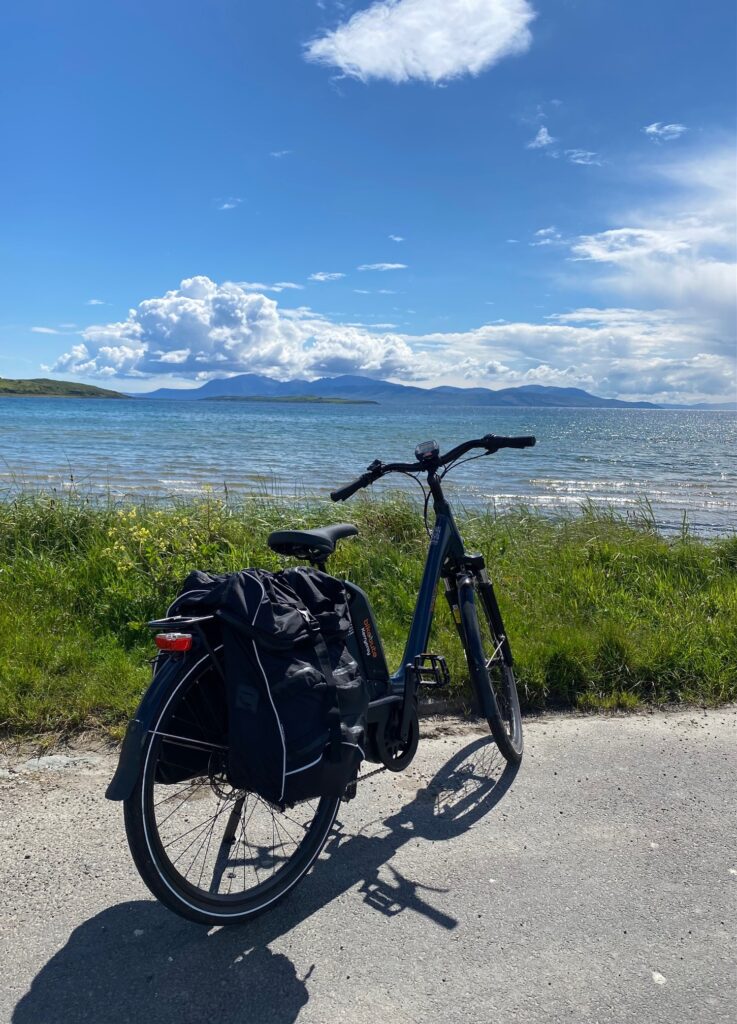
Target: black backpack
{"points": [[297, 699]]}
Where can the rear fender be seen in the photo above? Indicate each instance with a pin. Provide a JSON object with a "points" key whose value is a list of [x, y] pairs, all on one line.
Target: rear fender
{"points": [[133, 749]]}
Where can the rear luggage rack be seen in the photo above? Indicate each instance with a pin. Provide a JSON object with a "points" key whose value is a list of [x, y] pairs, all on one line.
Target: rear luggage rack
{"points": [[178, 621]]}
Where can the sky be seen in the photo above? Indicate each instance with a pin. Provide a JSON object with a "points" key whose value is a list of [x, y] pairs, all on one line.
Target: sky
{"points": [[469, 192]]}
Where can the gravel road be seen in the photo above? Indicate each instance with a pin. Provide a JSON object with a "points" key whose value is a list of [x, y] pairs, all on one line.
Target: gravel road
{"points": [[597, 884]]}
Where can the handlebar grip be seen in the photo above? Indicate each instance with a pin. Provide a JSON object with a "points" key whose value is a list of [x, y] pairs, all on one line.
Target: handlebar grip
{"points": [[343, 493], [511, 442]]}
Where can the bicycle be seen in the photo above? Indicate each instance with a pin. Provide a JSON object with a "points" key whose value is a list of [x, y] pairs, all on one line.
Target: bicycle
{"points": [[218, 855]]}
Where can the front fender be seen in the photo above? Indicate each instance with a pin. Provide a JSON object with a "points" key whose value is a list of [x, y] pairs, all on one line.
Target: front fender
{"points": [[134, 743]]}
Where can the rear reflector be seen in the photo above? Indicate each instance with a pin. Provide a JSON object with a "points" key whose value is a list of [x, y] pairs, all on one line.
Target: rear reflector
{"points": [[173, 641]]}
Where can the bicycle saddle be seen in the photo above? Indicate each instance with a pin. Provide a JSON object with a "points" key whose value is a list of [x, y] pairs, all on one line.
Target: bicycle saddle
{"points": [[315, 545]]}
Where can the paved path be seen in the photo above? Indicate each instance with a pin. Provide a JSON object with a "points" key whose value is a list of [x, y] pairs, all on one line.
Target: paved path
{"points": [[597, 885]]}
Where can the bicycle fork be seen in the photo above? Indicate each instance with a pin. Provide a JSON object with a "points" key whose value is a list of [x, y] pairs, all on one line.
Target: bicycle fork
{"points": [[460, 593]]}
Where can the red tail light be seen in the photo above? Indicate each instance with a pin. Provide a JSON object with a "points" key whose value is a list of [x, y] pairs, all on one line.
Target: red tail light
{"points": [[173, 641]]}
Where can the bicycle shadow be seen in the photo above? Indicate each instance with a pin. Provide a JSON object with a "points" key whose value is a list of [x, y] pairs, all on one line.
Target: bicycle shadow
{"points": [[137, 961]]}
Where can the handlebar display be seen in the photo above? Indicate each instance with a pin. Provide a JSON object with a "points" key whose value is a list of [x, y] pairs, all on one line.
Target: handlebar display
{"points": [[429, 460]]}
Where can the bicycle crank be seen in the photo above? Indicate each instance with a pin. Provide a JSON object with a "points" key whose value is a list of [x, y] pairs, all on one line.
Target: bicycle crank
{"points": [[394, 752]]}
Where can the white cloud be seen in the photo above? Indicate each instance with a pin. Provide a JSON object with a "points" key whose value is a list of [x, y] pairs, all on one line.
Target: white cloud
{"points": [[278, 286], [660, 132], [547, 236], [279, 153], [584, 157], [542, 139], [426, 40], [95, 302], [229, 204], [678, 251], [45, 330], [396, 238], [203, 329], [382, 266], [323, 275]]}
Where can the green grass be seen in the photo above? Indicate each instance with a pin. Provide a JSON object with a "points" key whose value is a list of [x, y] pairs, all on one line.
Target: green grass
{"points": [[601, 612]]}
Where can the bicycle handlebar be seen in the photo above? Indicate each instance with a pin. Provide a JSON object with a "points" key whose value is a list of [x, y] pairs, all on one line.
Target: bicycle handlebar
{"points": [[377, 469]]}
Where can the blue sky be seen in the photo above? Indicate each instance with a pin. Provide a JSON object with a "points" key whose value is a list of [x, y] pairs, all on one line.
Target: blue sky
{"points": [[538, 192]]}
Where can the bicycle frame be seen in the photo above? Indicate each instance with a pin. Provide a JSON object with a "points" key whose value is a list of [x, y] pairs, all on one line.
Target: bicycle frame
{"points": [[446, 546]]}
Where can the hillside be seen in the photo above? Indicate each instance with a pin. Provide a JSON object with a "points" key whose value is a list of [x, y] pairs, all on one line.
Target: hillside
{"points": [[42, 387]]}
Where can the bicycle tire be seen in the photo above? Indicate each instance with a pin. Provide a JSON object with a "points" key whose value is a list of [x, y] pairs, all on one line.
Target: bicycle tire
{"points": [[491, 672], [153, 852]]}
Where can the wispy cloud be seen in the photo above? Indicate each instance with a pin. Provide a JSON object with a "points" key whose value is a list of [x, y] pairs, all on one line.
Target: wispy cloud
{"points": [[279, 153], [547, 236], [396, 238], [45, 330], [542, 139], [584, 157], [382, 266], [278, 286], [660, 132], [95, 302], [231, 203], [425, 40], [324, 275]]}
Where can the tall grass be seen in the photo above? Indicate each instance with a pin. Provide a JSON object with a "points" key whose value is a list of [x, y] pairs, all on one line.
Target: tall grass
{"points": [[602, 612]]}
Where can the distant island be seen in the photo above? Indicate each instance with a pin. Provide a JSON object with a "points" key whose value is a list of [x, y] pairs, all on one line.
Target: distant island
{"points": [[42, 387], [289, 399]]}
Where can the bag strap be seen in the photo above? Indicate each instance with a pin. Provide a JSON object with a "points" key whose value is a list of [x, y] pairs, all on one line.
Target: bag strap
{"points": [[323, 656]]}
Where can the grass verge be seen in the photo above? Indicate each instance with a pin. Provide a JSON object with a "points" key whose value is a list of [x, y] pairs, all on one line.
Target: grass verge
{"points": [[602, 612]]}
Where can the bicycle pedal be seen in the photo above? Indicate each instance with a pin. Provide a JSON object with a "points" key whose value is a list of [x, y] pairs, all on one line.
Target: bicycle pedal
{"points": [[431, 670]]}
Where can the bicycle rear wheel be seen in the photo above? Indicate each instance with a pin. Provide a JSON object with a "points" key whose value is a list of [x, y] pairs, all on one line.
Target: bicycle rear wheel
{"points": [[491, 670], [210, 852]]}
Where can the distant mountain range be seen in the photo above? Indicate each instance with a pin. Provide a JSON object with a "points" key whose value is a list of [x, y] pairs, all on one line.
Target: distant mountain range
{"points": [[356, 388]]}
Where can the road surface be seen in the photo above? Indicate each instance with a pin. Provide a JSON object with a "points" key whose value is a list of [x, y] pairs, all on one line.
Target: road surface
{"points": [[598, 884]]}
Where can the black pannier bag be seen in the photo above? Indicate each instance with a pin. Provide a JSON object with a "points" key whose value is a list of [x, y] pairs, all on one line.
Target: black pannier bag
{"points": [[297, 698]]}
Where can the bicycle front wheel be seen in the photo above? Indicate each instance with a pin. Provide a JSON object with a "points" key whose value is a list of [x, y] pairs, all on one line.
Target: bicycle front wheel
{"points": [[212, 853], [491, 670]]}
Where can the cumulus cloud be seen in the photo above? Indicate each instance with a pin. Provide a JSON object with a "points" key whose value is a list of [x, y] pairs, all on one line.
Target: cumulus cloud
{"points": [[652, 355], [542, 139], [383, 266], [204, 329], [426, 40], [660, 132]]}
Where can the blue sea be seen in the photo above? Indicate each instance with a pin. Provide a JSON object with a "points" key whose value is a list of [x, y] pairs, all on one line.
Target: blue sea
{"points": [[680, 462]]}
